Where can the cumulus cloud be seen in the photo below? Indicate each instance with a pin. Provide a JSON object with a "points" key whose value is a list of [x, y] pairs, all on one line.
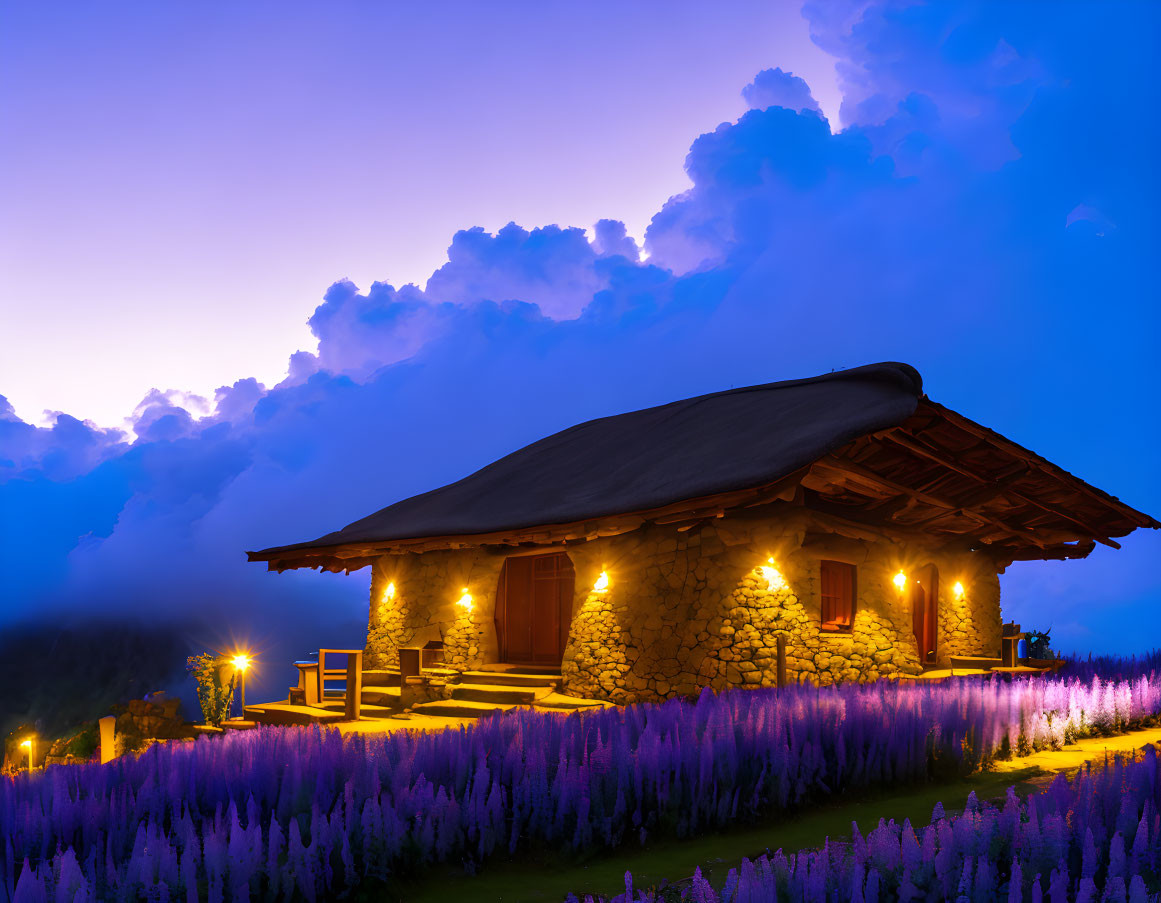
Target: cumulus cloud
{"points": [[553, 268], [775, 88], [359, 333], [961, 221], [612, 239]]}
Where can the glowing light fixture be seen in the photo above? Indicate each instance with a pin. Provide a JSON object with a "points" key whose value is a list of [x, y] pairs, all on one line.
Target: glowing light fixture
{"points": [[900, 581], [465, 601], [602, 584], [241, 662], [957, 590], [27, 744], [772, 576], [389, 592]]}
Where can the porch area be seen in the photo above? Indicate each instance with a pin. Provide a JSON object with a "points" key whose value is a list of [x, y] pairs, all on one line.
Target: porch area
{"points": [[336, 689]]}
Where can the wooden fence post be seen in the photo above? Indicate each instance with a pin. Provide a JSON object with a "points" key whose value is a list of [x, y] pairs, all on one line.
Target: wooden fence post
{"points": [[781, 660], [108, 738]]}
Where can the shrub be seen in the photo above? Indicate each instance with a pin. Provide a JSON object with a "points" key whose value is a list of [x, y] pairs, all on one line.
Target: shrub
{"points": [[84, 744], [214, 696]]}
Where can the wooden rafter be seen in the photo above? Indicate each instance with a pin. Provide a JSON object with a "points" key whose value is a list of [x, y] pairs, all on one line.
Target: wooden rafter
{"points": [[841, 467], [1057, 474], [1000, 487]]}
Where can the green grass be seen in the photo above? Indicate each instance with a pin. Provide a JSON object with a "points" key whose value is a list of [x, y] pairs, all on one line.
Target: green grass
{"points": [[553, 878]]}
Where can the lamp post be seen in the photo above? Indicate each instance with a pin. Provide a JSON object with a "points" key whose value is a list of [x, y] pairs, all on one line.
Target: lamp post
{"points": [[31, 747], [241, 662]]}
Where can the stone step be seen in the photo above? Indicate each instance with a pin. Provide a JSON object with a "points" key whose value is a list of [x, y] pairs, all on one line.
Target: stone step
{"points": [[499, 694], [385, 677], [558, 702], [508, 679], [459, 708], [389, 677], [983, 662], [284, 713], [384, 696]]}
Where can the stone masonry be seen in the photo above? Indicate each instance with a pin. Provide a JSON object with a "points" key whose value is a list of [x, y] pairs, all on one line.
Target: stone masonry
{"points": [[689, 609]]}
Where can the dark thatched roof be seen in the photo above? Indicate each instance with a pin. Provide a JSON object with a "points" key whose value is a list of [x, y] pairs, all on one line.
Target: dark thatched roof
{"points": [[646, 460]]}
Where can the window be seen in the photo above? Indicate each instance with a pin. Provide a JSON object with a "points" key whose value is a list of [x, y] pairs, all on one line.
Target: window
{"points": [[838, 594]]}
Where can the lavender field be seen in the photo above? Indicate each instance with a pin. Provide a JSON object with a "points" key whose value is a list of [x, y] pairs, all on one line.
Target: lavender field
{"points": [[1096, 839], [307, 814]]}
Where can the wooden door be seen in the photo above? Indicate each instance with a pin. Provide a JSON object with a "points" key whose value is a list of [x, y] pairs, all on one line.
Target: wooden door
{"points": [[925, 611], [534, 608]]}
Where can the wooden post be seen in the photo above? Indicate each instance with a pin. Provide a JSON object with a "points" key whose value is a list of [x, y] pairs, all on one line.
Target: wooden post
{"points": [[322, 685], [354, 684], [108, 726], [781, 660]]}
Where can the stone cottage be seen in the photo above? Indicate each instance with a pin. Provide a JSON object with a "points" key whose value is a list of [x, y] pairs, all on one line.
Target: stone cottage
{"points": [[842, 527]]}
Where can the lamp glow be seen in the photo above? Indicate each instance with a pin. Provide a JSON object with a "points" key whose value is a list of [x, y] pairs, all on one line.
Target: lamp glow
{"points": [[602, 584], [241, 662], [389, 592], [465, 601], [27, 744], [772, 576], [957, 590], [900, 581]]}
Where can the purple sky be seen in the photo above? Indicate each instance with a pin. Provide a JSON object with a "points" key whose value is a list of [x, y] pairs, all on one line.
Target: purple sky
{"points": [[181, 185], [179, 182]]}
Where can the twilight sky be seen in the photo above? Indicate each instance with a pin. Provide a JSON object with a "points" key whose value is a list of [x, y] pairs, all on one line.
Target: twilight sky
{"points": [[179, 181], [180, 184]]}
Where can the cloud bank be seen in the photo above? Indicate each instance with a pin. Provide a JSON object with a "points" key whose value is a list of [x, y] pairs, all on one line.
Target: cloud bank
{"points": [[986, 213]]}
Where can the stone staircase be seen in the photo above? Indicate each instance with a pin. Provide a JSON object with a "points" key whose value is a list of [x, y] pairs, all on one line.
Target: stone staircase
{"points": [[497, 689], [472, 694]]}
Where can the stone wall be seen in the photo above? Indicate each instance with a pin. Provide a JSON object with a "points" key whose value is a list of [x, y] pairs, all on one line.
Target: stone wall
{"points": [[970, 624], [683, 610], [417, 596]]}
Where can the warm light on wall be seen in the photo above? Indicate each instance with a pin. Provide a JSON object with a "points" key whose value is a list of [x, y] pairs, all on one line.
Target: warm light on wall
{"points": [[602, 584], [773, 576], [27, 744], [389, 592], [900, 581], [465, 601], [957, 590]]}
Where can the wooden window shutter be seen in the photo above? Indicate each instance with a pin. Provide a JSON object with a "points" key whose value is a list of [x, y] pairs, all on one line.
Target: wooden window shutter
{"points": [[838, 588]]}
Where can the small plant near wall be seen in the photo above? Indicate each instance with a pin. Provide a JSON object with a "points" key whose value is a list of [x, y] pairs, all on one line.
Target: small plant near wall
{"points": [[1038, 642], [214, 695]]}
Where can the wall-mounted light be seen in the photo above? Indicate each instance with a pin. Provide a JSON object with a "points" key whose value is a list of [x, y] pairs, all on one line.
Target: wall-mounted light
{"points": [[957, 590], [27, 744], [465, 601], [900, 581], [602, 583], [389, 592], [772, 576]]}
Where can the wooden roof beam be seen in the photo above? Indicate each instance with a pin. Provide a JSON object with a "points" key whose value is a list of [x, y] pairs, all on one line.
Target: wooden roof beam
{"points": [[1057, 473], [838, 465], [1000, 486]]}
